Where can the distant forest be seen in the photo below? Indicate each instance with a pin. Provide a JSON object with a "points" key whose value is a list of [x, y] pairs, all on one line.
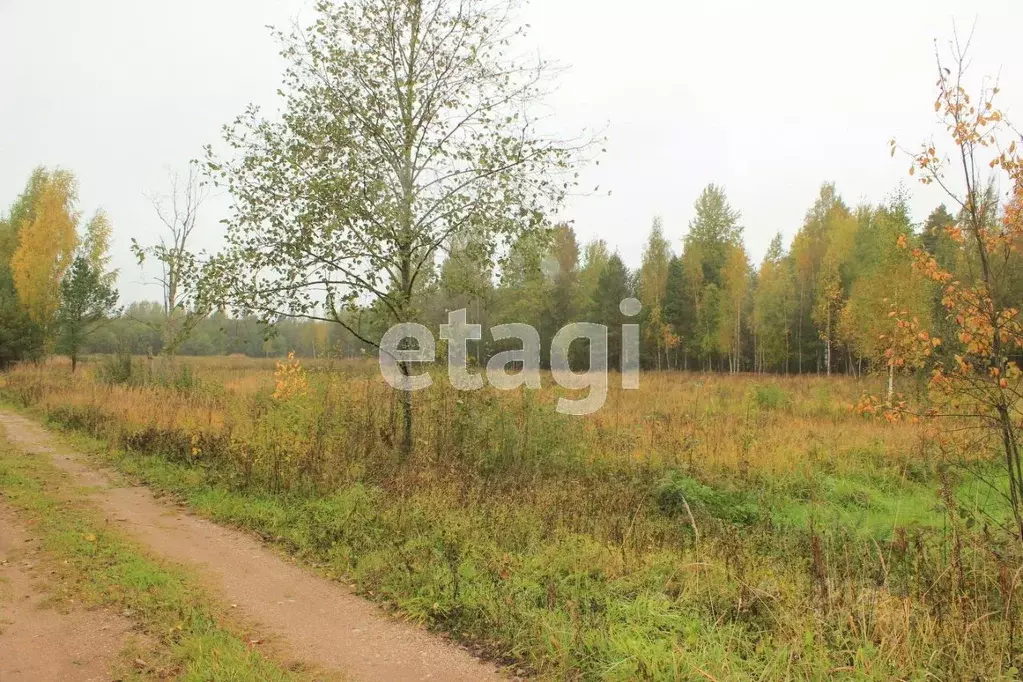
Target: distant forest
{"points": [[821, 305]]}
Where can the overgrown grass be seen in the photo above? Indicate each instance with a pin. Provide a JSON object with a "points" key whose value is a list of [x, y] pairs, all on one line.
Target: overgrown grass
{"points": [[187, 638], [816, 544]]}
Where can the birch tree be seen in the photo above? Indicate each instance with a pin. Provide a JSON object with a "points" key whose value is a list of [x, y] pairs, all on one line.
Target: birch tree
{"points": [[179, 276], [404, 124], [981, 385], [46, 247], [653, 282], [735, 276], [773, 304]]}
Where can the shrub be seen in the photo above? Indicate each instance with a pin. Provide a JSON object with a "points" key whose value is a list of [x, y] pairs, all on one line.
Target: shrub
{"points": [[675, 489], [117, 369], [770, 397]]}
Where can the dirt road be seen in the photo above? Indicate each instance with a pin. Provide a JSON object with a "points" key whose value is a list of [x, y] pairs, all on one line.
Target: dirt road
{"points": [[41, 643], [318, 622]]}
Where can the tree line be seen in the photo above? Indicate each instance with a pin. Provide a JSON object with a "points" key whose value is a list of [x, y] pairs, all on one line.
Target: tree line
{"points": [[405, 177], [827, 302], [824, 303]]}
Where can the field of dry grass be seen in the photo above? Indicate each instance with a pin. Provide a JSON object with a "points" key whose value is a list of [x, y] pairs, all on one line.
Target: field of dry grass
{"points": [[712, 422], [703, 527]]}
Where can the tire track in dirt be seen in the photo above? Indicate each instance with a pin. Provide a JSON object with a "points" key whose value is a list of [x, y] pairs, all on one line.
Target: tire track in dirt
{"points": [[318, 621]]}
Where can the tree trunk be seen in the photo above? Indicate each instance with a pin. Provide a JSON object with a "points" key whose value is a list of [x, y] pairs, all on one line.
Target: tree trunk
{"points": [[738, 337], [788, 352], [1012, 463], [827, 348], [891, 382], [799, 330], [406, 416]]}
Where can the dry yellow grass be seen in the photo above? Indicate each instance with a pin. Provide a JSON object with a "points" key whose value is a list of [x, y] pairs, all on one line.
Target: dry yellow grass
{"points": [[812, 548], [709, 421]]}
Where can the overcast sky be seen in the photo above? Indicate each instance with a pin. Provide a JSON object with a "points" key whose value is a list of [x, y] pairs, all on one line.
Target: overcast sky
{"points": [[768, 99]]}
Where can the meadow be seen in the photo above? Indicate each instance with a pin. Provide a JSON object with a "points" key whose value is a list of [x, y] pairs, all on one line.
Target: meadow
{"points": [[705, 526]]}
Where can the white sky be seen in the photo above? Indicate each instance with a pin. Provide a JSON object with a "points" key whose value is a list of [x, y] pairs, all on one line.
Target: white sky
{"points": [[768, 99]]}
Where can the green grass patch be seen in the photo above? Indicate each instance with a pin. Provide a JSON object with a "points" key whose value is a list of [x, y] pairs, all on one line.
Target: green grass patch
{"points": [[876, 506], [676, 490]]}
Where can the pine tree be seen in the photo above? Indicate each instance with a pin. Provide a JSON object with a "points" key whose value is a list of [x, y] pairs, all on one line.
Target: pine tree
{"points": [[87, 297]]}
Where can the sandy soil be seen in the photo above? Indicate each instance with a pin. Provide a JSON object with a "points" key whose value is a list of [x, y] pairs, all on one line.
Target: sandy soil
{"points": [[319, 622]]}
